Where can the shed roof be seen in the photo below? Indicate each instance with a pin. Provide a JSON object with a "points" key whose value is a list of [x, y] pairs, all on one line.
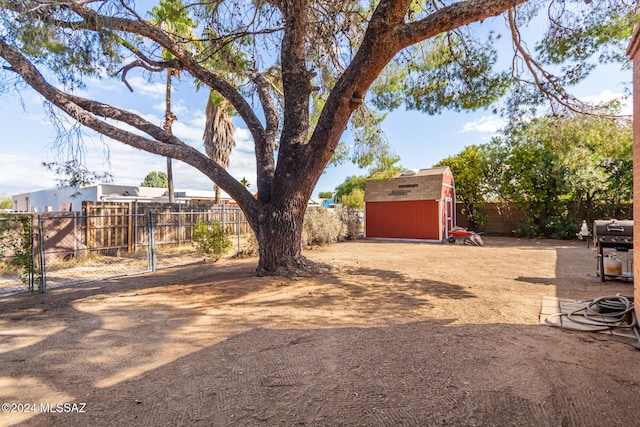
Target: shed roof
{"points": [[424, 184], [432, 171]]}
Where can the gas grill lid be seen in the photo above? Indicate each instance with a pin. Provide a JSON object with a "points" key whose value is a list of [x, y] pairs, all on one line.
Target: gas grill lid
{"points": [[613, 231]]}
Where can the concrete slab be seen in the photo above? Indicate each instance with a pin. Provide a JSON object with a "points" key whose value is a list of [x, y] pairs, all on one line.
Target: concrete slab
{"points": [[569, 314]]}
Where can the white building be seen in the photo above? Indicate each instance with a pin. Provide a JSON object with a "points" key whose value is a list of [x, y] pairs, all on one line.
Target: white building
{"points": [[70, 199]]}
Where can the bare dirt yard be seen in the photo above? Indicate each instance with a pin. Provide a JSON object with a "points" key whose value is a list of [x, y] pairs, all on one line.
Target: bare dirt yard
{"points": [[394, 334]]}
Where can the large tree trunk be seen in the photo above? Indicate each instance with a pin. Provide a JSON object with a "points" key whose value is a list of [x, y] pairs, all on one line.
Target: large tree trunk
{"points": [[279, 237]]}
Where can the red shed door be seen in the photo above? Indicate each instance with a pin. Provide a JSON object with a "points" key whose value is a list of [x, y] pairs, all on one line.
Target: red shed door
{"points": [[417, 219]]}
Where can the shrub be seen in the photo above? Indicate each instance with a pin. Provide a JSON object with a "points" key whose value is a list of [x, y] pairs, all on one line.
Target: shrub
{"points": [[321, 227], [527, 228], [351, 220], [354, 200], [212, 240], [250, 246]]}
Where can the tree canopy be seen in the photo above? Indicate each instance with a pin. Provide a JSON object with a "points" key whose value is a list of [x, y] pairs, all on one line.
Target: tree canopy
{"points": [[325, 194], [6, 202], [298, 73], [558, 169], [469, 169], [350, 184], [155, 179]]}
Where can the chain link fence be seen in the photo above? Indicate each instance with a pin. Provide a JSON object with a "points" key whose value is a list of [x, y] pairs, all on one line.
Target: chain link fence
{"points": [[48, 250], [19, 260]]}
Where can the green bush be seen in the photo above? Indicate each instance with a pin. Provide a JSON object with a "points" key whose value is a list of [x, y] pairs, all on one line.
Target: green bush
{"points": [[211, 240], [562, 226], [527, 228]]}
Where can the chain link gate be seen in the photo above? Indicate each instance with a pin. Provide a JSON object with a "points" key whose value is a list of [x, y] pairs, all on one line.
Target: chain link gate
{"points": [[106, 241], [21, 256]]}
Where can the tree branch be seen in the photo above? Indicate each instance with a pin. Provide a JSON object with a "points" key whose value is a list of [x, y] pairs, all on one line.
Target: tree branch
{"points": [[265, 162], [296, 78], [98, 22], [546, 82], [450, 17]]}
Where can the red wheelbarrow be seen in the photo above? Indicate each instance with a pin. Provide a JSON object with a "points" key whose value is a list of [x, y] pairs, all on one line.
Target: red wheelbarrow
{"points": [[467, 237]]}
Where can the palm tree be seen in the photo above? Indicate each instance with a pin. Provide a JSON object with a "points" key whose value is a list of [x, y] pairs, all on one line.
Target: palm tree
{"points": [[218, 134], [169, 118], [171, 15]]}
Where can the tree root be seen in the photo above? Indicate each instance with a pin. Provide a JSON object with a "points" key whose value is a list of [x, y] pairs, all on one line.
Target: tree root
{"points": [[299, 267]]}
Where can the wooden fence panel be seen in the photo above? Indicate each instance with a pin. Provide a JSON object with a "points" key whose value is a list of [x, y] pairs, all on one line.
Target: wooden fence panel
{"points": [[123, 225], [107, 226]]}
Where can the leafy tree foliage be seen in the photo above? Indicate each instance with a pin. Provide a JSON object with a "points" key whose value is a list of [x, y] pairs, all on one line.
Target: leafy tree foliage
{"points": [[350, 184], [5, 202], [245, 182], [298, 72], [325, 194], [155, 179], [354, 199], [583, 167], [536, 180], [558, 169], [469, 169]]}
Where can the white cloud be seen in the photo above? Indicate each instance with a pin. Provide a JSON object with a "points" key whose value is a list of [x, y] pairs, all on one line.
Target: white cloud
{"points": [[244, 140], [607, 95], [189, 134], [181, 109], [491, 124], [160, 106], [22, 173], [155, 90]]}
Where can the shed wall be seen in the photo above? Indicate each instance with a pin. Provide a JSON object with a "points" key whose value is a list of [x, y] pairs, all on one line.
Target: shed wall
{"points": [[403, 220]]}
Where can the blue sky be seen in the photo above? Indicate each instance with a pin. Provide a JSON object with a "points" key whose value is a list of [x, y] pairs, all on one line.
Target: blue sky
{"points": [[28, 138]]}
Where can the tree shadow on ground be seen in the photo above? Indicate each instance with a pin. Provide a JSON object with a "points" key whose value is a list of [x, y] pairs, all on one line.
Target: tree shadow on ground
{"points": [[96, 337], [576, 273], [420, 373], [358, 346]]}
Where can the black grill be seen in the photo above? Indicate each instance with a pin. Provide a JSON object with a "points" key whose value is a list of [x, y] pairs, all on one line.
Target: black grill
{"points": [[614, 234]]}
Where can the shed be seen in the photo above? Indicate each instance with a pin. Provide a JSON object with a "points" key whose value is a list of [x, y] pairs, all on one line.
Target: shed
{"points": [[416, 205]]}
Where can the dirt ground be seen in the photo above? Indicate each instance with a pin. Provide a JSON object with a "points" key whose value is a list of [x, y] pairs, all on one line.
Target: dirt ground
{"points": [[395, 334]]}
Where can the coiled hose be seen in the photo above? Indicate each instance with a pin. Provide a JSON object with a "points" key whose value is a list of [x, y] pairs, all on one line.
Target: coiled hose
{"points": [[602, 314]]}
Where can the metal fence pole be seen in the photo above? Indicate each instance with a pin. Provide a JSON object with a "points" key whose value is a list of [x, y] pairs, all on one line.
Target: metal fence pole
{"points": [[32, 236], [135, 225], [239, 225], [179, 223], [42, 262], [151, 242]]}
